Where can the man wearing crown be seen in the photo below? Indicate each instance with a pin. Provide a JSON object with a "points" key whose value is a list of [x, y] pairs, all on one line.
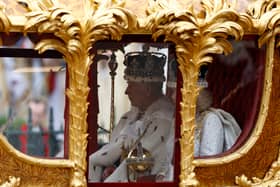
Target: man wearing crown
{"points": [[144, 130]]}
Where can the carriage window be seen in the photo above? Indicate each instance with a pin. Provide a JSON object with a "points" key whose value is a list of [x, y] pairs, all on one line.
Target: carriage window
{"points": [[136, 95], [229, 98], [32, 100]]}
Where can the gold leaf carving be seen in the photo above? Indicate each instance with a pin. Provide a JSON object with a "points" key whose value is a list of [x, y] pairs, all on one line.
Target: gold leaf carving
{"points": [[249, 159], [12, 182], [74, 38], [197, 33], [271, 178], [196, 36], [4, 20], [267, 12], [32, 171]]}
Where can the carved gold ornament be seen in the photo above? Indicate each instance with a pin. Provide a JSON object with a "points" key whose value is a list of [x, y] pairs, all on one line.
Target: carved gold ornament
{"points": [[271, 178], [199, 29], [13, 182], [267, 12], [4, 21], [197, 36], [74, 38]]}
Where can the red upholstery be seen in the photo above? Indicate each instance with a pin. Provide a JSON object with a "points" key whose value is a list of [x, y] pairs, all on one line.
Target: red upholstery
{"points": [[237, 89]]}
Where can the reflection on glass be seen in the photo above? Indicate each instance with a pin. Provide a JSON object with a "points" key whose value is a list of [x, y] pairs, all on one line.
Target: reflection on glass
{"points": [[32, 104], [229, 99], [140, 146]]}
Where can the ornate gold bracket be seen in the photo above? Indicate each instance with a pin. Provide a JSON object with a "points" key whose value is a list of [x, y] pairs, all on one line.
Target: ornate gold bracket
{"points": [[197, 33], [5, 23], [271, 178], [267, 12], [197, 36], [74, 38]]}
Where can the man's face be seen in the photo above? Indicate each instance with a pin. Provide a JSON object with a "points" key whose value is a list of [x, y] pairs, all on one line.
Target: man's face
{"points": [[137, 93], [37, 112]]}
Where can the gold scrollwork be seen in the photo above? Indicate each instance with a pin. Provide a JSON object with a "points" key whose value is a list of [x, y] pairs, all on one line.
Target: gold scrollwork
{"points": [[4, 20], [267, 12], [12, 182], [74, 37], [271, 178], [197, 33], [15, 163], [32, 171], [197, 36]]}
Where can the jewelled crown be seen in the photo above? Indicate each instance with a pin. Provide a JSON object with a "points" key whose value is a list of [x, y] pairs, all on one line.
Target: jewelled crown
{"points": [[144, 66]]}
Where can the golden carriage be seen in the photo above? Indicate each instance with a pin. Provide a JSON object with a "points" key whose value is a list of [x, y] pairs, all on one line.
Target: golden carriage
{"points": [[199, 32]]}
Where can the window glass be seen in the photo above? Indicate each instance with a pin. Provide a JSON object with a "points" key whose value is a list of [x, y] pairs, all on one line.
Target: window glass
{"points": [[32, 99], [136, 94]]}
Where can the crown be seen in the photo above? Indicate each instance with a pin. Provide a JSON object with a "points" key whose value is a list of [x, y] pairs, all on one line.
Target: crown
{"points": [[144, 66], [202, 82]]}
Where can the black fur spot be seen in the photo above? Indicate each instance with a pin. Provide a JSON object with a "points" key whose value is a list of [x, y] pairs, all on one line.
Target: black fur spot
{"points": [[155, 128], [105, 153]]}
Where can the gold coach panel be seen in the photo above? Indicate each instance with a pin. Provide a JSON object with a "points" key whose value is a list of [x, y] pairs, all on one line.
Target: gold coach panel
{"points": [[237, 42]]}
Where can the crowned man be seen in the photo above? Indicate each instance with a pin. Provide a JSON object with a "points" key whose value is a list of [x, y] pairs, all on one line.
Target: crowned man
{"points": [[148, 123]]}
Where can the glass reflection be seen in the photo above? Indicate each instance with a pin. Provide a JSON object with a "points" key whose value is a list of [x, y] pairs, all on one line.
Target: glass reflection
{"points": [[228, 103], [140, 145], [32, 100], [32, 104]]}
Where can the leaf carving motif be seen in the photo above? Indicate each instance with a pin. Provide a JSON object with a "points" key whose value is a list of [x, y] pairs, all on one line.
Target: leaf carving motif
{"points": [[197, 36], [74, 38]]}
